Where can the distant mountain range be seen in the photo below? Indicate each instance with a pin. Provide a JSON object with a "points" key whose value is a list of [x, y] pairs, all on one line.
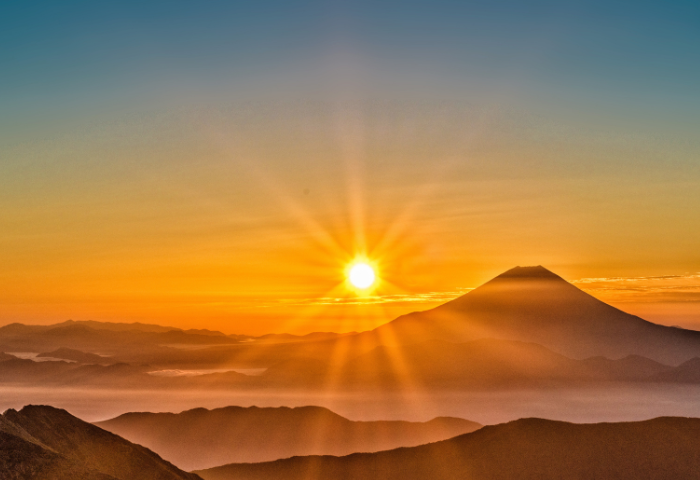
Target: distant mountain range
{"points": [[46, 443], [434, 364], [527, 449], [202, 438], [526, 327]]}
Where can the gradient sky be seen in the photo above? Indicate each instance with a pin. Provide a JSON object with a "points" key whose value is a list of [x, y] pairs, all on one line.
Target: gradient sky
{"points": [[218, 164]]}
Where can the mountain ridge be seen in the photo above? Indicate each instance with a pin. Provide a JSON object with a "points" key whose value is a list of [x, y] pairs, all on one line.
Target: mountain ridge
{"points": [[526, 449], [45, 442], [201, 438]]}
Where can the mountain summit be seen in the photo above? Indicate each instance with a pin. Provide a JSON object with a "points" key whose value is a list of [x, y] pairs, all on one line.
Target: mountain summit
{"points": [[530, 272], [533, 304]]}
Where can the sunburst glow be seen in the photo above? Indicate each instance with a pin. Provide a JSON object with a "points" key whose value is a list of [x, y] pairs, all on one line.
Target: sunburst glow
{"points": [[361, 275]]}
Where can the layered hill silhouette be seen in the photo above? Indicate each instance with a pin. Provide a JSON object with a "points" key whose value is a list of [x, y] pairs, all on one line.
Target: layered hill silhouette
{"points": [[527, 449], [202, 438], [434, 364], [487, 363], [529, 323], [40, 442]]}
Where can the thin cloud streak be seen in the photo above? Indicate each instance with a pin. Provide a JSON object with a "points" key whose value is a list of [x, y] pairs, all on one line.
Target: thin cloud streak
{"points": [[429, 297], [661, 288], [684, 288]]}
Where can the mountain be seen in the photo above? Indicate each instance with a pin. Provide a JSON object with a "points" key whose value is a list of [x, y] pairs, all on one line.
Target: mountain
{"points": [[687, 372], [203, 438], [532, 304], [486, 363], [433, 364], [22, 371], [75, 355], [476, 365], [118, 326], [6, 356], [527, 449], [25, 460], [40, 442], [105, 338], [116, 375]]}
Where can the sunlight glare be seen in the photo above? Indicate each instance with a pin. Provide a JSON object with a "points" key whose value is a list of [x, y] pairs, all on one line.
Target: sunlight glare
{"points": [[361, 275]]}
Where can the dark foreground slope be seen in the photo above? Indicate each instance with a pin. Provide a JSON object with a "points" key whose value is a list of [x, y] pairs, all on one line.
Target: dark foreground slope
{"points": [[528, 449], [532, 304], [202, 438], [45, 443]]}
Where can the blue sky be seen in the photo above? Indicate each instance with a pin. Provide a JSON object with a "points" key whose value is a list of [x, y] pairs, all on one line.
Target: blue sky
{"points": [[68, 51]]}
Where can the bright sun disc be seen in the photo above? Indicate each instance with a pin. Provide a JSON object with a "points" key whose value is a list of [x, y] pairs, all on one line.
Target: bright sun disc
{"points": [[361, 275]]}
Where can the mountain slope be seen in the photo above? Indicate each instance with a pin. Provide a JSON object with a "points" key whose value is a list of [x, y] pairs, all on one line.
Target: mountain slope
{"points": [[532, 304], [21, 459], [474, 365], [203, 438], [527, 449], [40, 442]]}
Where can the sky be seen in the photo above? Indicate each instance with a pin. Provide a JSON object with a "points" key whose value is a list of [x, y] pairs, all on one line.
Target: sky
{"points": [[220, 164]]}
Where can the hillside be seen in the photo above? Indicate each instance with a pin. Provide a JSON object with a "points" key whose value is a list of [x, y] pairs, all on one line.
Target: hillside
{"points": [[40, 442], [527, 449], [76, 356], [203, 438]]}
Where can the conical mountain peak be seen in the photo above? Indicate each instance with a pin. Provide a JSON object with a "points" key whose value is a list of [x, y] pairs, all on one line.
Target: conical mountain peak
{"points": [[537, 271]]}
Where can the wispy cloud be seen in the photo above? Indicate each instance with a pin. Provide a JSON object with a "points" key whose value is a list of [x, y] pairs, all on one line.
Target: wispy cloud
{"points": [[662, 288], [637, 279], [428, 297]]}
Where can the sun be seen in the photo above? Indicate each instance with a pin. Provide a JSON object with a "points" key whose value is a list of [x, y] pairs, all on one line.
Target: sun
{"points": [[361, 276]]}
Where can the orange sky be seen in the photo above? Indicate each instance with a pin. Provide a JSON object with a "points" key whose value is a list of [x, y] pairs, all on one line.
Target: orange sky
{"points": [[244, 218]]}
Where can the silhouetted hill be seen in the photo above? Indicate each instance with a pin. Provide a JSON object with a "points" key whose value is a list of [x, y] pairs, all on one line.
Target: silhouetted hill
{"points": [[117, 375], [23, 460], [75, 355], [631, 367], [203, 438], [118, 326], [479, 364], [434, 364], [40, 442], [687, 372], [528, 449], [532, 304], [21, 371], [92, 337], [6, 356]]}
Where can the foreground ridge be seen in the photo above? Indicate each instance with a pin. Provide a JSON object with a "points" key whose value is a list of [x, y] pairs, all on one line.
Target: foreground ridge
{"points": [[529, 449], [42, 442]]}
